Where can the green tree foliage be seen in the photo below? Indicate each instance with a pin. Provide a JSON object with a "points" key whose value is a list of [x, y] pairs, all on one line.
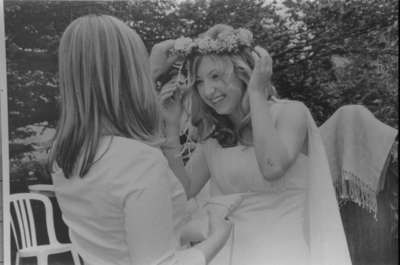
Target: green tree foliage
{"points": [[326, 53], [363, 33]]}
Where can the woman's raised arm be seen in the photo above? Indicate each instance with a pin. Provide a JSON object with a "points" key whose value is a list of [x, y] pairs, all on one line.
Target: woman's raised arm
{"points": [[276, 147]]}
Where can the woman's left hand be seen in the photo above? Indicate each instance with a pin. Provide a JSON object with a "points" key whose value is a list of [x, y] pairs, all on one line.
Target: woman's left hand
{"points": [[261, 77], [170, 98], [160, 58]]}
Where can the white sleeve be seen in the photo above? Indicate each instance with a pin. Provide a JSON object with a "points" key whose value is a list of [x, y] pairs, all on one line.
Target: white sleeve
{"points": [[149, 220]]}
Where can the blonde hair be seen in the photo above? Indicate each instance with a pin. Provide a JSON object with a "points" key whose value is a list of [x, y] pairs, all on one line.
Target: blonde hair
{"points": [[204, 118], [106, 89]]}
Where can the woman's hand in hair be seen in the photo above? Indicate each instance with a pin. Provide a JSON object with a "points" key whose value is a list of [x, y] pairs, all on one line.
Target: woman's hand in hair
{"points": [[170, 98], [260, 79], [161, 59]]}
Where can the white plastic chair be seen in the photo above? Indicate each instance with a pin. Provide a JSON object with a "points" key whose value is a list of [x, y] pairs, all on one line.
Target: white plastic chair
{"points": [[24, 230], [45, 189]]}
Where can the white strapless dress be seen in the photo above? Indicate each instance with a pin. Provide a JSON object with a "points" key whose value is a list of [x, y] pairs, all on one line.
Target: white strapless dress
{"points": [[268, 224], [291, 221]]}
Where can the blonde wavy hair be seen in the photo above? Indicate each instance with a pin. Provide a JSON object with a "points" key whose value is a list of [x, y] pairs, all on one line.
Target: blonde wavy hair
{"points": [[106, 89], [208, 123]]}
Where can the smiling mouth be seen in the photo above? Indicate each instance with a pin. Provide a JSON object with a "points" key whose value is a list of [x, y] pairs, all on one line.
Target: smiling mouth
{"points": [[217, 100]]}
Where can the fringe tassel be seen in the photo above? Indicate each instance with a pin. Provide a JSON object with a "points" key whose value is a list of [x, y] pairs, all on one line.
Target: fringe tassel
{"points": [[351, 188]]}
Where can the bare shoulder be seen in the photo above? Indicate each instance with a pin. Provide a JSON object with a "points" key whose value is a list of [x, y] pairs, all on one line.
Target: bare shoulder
{"points": [[293, 111]]}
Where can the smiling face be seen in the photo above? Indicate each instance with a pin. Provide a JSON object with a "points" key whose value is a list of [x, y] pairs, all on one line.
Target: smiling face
{"points": [[218, 85]]}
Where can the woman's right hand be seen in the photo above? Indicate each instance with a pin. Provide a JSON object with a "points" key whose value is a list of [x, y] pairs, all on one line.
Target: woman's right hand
{"points": [[161, 59], [219, 225], [170, 98], [219, 232]]}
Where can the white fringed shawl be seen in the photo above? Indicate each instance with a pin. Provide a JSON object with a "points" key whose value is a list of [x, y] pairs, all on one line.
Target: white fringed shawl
{"points": [[357, 146]]}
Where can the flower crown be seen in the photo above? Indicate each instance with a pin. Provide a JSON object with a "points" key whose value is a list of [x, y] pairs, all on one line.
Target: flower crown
{"points": [[230, 41]]}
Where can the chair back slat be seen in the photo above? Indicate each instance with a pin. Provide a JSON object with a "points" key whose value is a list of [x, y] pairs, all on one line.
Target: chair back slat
{"points": [[31, 223], [17, 241], [25, 223], [23, 226], [21, 230]]}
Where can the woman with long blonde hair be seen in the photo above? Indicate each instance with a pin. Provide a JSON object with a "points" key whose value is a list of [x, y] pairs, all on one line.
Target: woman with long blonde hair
{"points": [[253, 145], [120, 200]]}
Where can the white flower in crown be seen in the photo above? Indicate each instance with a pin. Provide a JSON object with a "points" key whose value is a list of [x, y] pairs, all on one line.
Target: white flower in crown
{"points": [[231, 43], [184, 45], [245, 37], [205, 45], [215, 46]]}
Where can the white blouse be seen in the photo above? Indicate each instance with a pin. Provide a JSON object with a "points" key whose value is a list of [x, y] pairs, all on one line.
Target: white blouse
{"points": [[127, 209]]}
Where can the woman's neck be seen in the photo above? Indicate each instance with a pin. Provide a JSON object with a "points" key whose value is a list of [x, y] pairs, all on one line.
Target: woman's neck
{"points": [[236, 117]]}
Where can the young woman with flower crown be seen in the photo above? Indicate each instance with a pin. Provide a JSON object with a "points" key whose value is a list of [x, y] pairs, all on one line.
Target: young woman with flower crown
{"points": [[252, 144], [120, 200]]}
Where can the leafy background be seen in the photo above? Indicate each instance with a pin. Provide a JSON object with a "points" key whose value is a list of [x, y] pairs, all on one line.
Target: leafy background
{"points": [[326, 53]]}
